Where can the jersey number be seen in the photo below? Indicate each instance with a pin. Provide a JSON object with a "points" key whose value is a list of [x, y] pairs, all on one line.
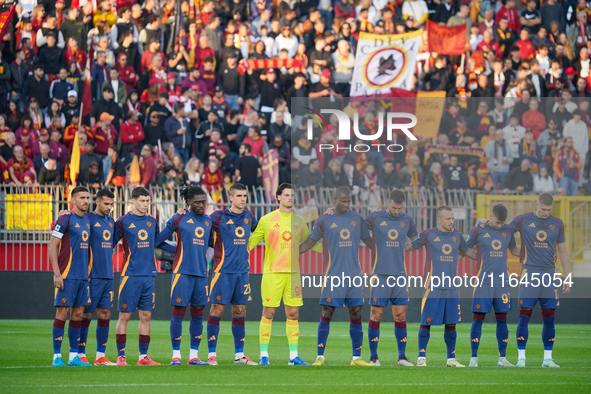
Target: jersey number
{"points": [[111, 295], [247, 289], [153, 298], [505, 298], [207, 291]]}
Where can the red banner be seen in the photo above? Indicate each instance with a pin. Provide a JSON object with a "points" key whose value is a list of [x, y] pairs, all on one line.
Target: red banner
{"points": [[446, 40], [5, 20], [266, 63]]}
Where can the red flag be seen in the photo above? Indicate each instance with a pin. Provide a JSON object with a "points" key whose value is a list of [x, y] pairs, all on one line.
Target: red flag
{"points": [[5, 21], [87, 92], [446, 40]]}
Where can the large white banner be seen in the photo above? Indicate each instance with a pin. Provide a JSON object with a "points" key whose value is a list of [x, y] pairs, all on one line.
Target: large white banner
{"points": [[383, 62]]}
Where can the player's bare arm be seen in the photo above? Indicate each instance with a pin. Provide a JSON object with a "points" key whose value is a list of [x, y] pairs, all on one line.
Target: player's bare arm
{"points": [[516, 251], [408, 247], [54, 245], [369, 242], [469, 253], [565, 260], [306, 245]]}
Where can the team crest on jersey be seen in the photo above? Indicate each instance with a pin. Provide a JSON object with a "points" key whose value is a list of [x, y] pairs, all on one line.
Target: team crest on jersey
{"points": [[206, 224], [124, 306], [520, 302], [402, 224], [97, 224], [286, 236], [345, 234], [454, 239], [496, 244], [551, 227], [353, 223], [334, 225], [446, 248], [199, 232], [64, 300], [541, 235], [375, 299], [132, 225], [239, 232], [149, 224], [383, 223], [245, 221], [219, 298], [85, 235], [429, 320], [477, 306], [504, 235], [178, 300], [142, 235], [106, 235], [329, 299], [393, 234]]}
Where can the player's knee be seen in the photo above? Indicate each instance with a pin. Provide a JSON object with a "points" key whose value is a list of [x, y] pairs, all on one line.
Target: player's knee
{"points": [[61, 313], [239, 311], [269, 313], [124, 316], [376, 314], [77, 314], [145, 316], [355, 313], [327, 312], [400, 317], [548, 312], [293, 315], [104, 314]]}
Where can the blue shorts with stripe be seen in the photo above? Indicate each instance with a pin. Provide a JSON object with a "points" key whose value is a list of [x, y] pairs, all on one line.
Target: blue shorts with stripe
{"points": [[75, 293], [137, 292], [101, 294], [386, 291], [230, 288], [441, 306], [487, 297], [188, 290], [342, 296], [529, 295]]}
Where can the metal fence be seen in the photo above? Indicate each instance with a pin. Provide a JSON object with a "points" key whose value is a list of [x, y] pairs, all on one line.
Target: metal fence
{"points": [[27, 215]]}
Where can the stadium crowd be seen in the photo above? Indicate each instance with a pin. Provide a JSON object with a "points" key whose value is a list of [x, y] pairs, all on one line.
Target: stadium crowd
{"points": [[181, 97]]}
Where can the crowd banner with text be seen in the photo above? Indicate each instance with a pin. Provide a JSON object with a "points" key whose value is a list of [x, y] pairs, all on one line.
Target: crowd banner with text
{"points": [[446, 40]]}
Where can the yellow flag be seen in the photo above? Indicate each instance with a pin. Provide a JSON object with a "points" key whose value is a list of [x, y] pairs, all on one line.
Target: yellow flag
{"points": [[134, 171], [75, 160]]}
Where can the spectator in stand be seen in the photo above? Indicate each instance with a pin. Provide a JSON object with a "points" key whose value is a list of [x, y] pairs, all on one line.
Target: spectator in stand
{"points": [[193, 172], [209, 148], [40, 161], [509, 12], [132, 134], [438, 78], [117, 174], [248, 168], [533, 119], [543, 182], [513, 133], [37, 87], [455, 174], [57, 150], [388, 178], [6, 150], [528, 150], [19, 165], [411, 175], [312, 177], [148, 169], [435, 179], [334, 177], [232, 82], [283, 151], [213, 178], [500, 158], [257, 143], [567, 166], [579, 132], [530, 17], [88, 157], [104, 134], [176, 129], [50, 173], [106, 105], [520, 178]]}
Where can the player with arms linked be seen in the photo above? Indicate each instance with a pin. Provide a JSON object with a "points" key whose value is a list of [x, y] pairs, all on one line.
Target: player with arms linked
{"points": [[189, 286], [68, 253], [280, 230], [541, 235], [389, 228], [445, 246], [231, 265], [341, 234], [137, 289], [492, 239]]}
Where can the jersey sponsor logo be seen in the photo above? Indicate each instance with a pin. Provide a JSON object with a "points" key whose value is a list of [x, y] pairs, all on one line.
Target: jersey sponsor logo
{"points": [[437, 239], [132, 225], [199, 232], [496, 244], [532, 225], [149, 224], [77, 225], [383, 223], [245, 221], [334, 225], [486, 235], [345, 234], [85, 235], [106, 235], [239, 232], [230, 222], [551, 227], [97, 224], [504, 235], [541, 235], [142, 235], [286, 236], [446, 248], [353, 223], [190, 221], [393, 234]]}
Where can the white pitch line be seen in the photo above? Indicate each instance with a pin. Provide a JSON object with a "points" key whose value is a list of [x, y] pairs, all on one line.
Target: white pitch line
{"points": [[280, 365]]}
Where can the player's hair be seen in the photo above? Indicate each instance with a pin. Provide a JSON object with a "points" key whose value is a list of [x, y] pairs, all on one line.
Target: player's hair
{"points": [[398, 196], [500, 212], [191, 191], [79, 189], [237, 187], [104, 193], [546, 199], [343, 191], [282, 187], [139, 191], [443, 208]]}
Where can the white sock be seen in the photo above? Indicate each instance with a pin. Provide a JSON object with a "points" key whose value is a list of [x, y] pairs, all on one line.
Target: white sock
{"points": [[502, 358], [520, 353], [239, 355], [450, 359], [81, 355], [293, 355], [56, 355], [73, 355], [142, 356], [322, 357], [547, 354], [176, 353], [211, 354], [99, 355], [193, 354], [264, 354], [355, 358]]}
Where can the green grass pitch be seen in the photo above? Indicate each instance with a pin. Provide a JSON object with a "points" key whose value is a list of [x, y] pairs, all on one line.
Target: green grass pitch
{"points": [[26, 350]]}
